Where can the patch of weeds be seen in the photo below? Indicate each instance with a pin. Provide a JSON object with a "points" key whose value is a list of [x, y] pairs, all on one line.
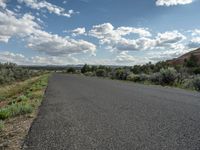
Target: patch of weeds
{"points": [[15, 109], [2, 98], [22, 98], [29, 94], [1, 125]]}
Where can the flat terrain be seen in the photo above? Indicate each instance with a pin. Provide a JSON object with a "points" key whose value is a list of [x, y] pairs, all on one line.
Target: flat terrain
{"points": [[86, 113]]}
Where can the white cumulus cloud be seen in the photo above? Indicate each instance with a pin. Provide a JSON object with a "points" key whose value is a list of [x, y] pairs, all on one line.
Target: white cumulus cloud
{"points": [[20, 59], [117, 40], [172, 2], [27, 28], [35, 4], [78, 31]]}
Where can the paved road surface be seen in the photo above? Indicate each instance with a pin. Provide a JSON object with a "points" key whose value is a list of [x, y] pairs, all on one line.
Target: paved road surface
{"points": [[82, 113]]}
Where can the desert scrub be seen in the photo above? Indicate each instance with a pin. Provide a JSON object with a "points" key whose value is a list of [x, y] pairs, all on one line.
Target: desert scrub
{"points": [[14, 110]]}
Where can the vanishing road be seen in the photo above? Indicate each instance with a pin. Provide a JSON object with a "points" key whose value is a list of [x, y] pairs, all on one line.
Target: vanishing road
{"points": [[88, 113]]}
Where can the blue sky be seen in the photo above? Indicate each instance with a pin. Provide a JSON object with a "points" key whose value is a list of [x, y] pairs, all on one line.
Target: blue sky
{"points": [[110, 32]]}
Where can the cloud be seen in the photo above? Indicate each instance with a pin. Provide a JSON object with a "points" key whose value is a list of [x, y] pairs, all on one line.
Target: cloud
{"points": [[3, 3], [173, 2], [28, 29], [7, 56], [20, 59], [49, 60], [194, 43], [169, 37], [195, 32], [11, 26], [107, 33], [117, 40], [55, 45], [173, 51], [124, 57], [35, 4], [78, 31]]}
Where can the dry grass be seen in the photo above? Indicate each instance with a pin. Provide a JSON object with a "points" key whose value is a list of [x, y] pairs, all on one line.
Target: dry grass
{"points": [[11, 90], [20, 106]]}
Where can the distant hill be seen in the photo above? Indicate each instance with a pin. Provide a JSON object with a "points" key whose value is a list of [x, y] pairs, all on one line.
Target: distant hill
{"points": [[180, 60]]}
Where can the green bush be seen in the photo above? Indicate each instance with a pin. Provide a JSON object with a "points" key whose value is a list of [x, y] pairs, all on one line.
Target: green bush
{"points": [[196, 83], [14, 110], [192, 61], [100, 72], [85, 68], [22, 98], [196, 70], [155, 78], [164, 77], [168, 76], [132, 77], [71, 70], [120, 74]]}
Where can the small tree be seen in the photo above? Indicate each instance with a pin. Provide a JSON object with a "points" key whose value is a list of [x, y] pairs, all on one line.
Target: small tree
{"points": [[85, 68], [71, 70]]}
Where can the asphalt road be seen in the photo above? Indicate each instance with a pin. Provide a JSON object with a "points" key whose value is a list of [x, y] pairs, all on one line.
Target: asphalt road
{"points": [[87, 113]]}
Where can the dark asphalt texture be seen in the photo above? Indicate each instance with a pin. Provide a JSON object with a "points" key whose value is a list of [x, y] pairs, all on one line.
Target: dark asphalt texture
{"points": [[89, 113]]}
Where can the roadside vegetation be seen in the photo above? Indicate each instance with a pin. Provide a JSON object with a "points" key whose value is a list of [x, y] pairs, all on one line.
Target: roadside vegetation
{"points": [[185, 76], [19, 101], [10, 73]]}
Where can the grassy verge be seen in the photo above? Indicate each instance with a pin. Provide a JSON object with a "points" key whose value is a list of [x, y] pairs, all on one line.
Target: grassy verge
{"points": [[18, 87], [18, 108]]}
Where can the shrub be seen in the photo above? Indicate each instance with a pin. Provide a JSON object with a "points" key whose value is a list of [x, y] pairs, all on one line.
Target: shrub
{"points": [[101, 72], [155, 78], [85, 68], [188, 84], [164, 77], [182, 75], [196, 83], [196, 70], [10, 72], [14, 110], [137, 78], [144, 77], [168, 76], [131, 77], [71, 70], [120, 74], [192, 61], [90, 74]]}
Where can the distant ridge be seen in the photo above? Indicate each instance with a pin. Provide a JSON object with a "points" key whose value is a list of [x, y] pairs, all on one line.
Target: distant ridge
{"points": [[180, 60]]}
